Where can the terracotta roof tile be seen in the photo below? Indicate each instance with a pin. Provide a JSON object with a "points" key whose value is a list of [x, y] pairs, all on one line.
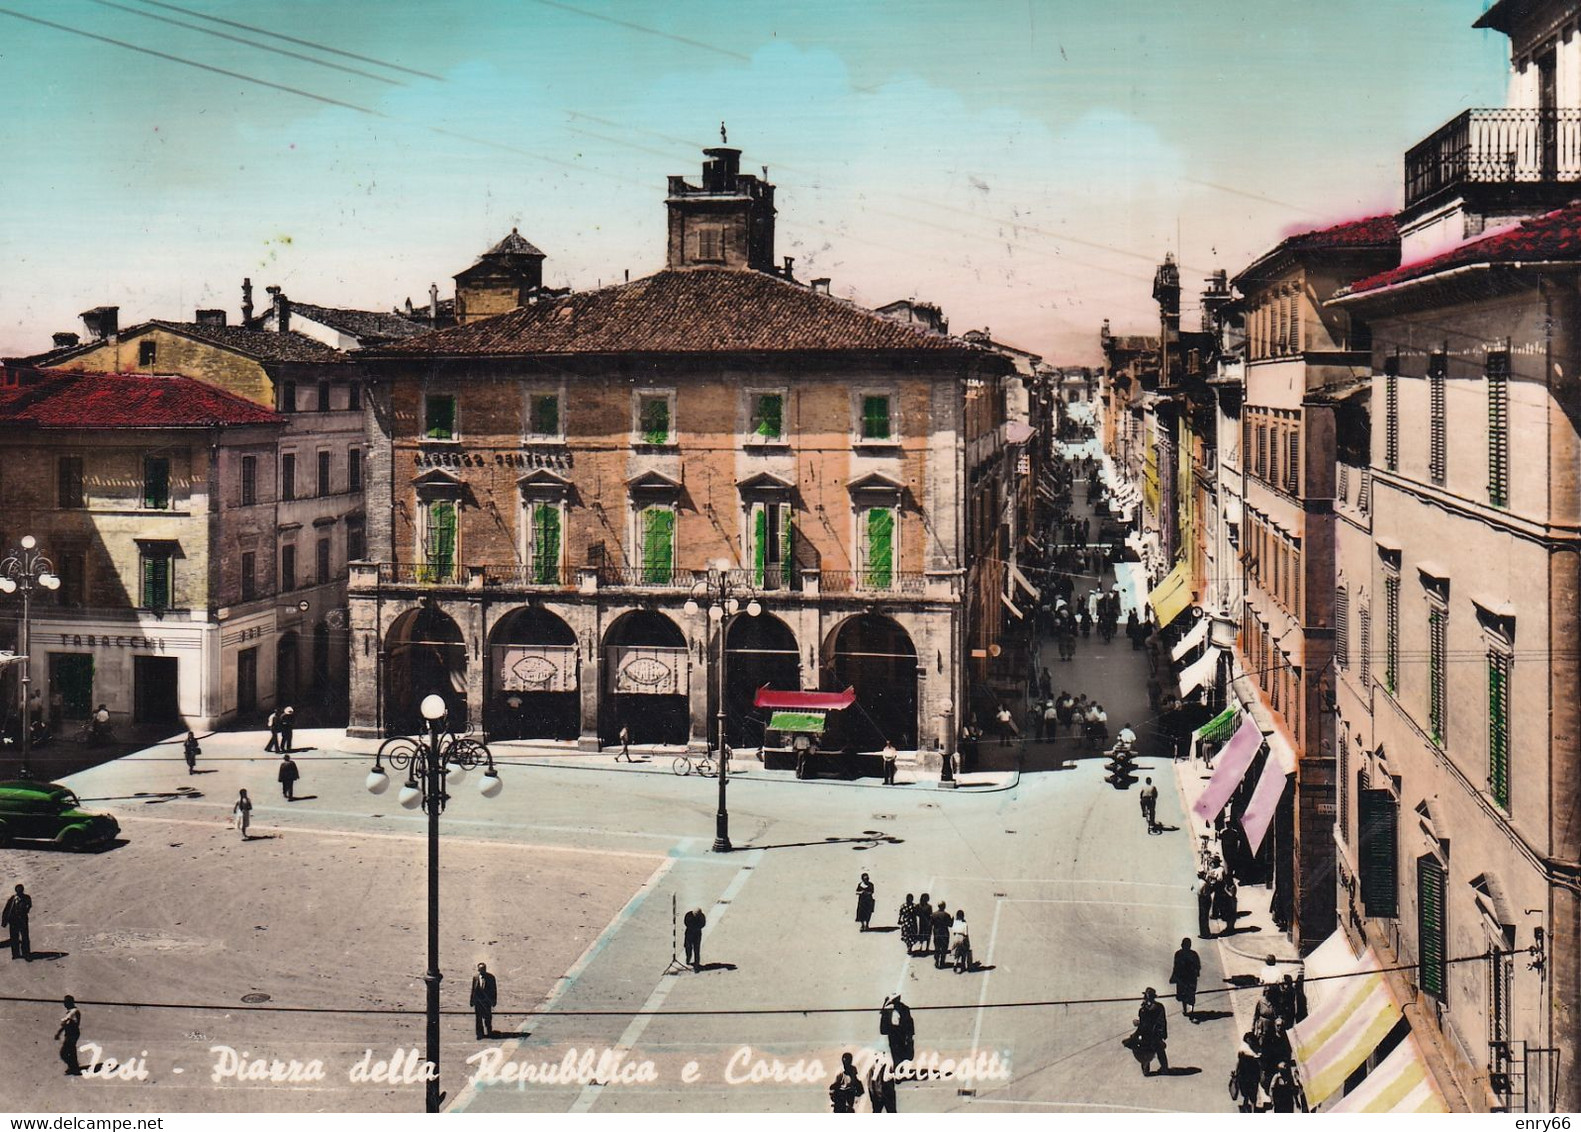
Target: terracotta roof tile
{"points": [[1372, 232], [55, 399], [368, 327], [692, 311], [1554, 236], [264, 345]]}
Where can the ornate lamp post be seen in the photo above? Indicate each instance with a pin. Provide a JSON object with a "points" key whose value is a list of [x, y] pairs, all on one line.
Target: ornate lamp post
{"points": [[432, 762], [21, 569], [725, 599]]}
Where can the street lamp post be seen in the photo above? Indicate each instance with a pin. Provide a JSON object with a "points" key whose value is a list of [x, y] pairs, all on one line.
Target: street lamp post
{"points": [[22, 569], [432, 762], [724, 598]]}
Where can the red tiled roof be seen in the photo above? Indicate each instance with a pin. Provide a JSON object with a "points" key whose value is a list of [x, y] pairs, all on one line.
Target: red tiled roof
{"points": [[1372, 232], [1554, 236], [693, 311], [56, 399]]}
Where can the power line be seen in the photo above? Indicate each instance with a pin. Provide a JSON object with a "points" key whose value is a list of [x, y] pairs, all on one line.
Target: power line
{"points": [[248, 43], [697, 43], [292, 39]]}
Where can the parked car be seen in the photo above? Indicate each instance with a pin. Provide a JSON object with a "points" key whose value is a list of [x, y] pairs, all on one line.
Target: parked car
{"points": [[44, 811]]}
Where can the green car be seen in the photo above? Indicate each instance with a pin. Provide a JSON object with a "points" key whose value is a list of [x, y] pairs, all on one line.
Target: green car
{"points": [[43, 811]]}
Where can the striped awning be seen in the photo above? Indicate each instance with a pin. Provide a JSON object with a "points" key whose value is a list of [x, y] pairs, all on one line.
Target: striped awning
{"points": [[1398, 1083], [1345, 1020], [1271, 786], [810, 722], [1170, 597]]}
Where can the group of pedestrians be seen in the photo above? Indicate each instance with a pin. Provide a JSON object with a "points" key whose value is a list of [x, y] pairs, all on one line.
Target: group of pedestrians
{"points": [[929, 929], [281, 724], [1264, 1078], [1218, 897]]}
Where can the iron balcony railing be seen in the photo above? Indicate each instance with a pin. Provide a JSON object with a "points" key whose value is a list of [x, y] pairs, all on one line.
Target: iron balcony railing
{"points": [[528, 577], [1495, 147], [871, 581], [770, 579], [413, 574]]}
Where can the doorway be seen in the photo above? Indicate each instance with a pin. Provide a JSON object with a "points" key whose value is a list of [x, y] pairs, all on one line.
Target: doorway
{"points": [[71, 679], [155, 691]]}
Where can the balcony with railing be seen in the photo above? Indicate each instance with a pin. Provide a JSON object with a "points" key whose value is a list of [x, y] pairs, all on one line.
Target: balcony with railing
{"points": [[1495, 147], [768, 579]]}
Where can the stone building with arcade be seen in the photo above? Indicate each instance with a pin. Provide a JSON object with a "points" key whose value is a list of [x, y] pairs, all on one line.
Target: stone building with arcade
{"points": [[559, 494]]}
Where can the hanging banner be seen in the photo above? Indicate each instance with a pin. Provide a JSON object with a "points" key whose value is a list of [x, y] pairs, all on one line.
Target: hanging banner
{"points": [[536, 668], [648, 670]]}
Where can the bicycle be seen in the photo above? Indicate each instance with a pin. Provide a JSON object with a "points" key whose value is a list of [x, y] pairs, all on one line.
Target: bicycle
{"points": [[684, 765]]}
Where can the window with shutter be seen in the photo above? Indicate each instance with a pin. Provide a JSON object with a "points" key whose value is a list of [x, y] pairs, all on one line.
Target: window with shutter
{"points": [[156, 483], [1378, 820], [1391, 640], [878, 563], [439, 416], [440, 545], [658, 546], [1498, 369], [325, 484], [158, 591], [1437, 634], [1437, 449], [543, 414], [1344, 483], [1343, 784], [1391, 421], [1262, 451], [1293, 463], [1342, 627], [1364, 493], [875, 417], [287, 568], [1273, 455], [249, 480], [760, 544], [326, 568], [653, 419], [1364, 644], [1431, 933], [1499, 727], [288, 477], [546, 544], [768, 416], [70, 481]]}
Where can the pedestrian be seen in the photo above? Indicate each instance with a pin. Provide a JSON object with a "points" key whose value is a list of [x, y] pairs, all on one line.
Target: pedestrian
{"points": [[924, 922], [1150, 1036], [191, 750], [485, 996], [1148, 796], [288, 774], [881, 1085], [69, 1030], [273, 723], [890, 757], [17, 910], [1050, 720], [100, 731], [1133, 630], [1046, 684], [242, 813], [846, 1089], [1227, 898], [1006, 725], [961, 943], [1284, 1092], [1035, 719], [1183, 976], [864, 901], [1247, 1074], [942, 923], [287, 726], [625, 744], [694, 922], [1273, 1052], [1065, 710], [895, 1023], [907, 919]]}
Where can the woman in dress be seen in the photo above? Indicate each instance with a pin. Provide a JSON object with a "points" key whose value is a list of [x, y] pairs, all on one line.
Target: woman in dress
{"points": [[908, 923], [924, 922], [960, 943], [242, 811], [1247, 1075], [864, 901]]}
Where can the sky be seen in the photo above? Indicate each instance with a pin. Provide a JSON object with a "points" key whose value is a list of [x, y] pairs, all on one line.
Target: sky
{"points": [[1022, 163]]}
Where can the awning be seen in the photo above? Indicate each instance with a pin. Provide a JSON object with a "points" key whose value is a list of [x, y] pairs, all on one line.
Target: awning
{"points": [[1011, 606], [1200, 673], [810, 721], [1271, 785], [1171, 596], [1345, 1020], [1230, 769], [804, 701], [1198, 634], [1399, 1083], [1017, 432], [1021, 578], [1219, 728]]}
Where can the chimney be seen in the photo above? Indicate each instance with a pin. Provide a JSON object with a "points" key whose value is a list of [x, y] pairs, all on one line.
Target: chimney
{"points": [[282, 310], [409, 307], [821, 286], [102, 322], [212, 316], [433, 303], [65, 339], [790, 260], [247, 302]]}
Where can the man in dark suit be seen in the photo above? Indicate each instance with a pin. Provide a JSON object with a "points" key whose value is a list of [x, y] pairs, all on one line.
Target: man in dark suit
{"points": [[694, 922], [941, 935], [485, 994], [17, 910]]}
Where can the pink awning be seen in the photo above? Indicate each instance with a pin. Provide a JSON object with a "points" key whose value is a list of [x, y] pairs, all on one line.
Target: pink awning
{"points": [[1260, 810], [1231, 767], [804, 701], [1018, 433]]}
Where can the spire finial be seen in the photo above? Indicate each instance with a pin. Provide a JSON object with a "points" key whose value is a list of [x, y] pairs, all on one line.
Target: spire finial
{"points": [[724, 138]]}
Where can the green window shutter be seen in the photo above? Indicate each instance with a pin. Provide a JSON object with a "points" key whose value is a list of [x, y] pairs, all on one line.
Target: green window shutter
{"points": [[546, 414], [785, 544], [655, 421], [156, 483], [441, 541], [875, 418], [770, 416], [880, 548], [156, 582], [546, 545], [1378, 819], [760, 543], [1499, 728], [441, 417], [658, 546], [1430, 926]]}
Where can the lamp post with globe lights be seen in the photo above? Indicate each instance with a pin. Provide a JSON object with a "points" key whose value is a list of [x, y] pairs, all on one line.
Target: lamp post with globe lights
{"points": [[725, 598], [432, 762], [21, 569]]}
